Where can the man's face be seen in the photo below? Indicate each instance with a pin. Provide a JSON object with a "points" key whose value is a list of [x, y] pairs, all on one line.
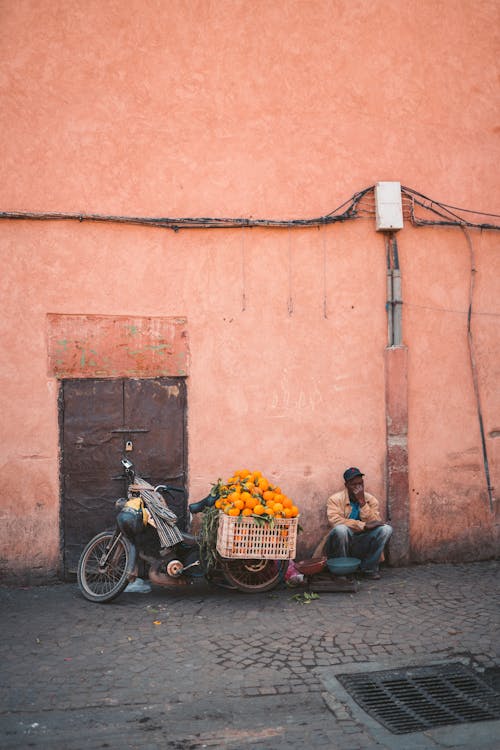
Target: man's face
{"points": [[356, 489]]}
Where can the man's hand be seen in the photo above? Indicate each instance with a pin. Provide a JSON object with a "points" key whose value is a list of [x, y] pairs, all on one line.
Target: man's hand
{"points": [[369, 525], [356, 490]]}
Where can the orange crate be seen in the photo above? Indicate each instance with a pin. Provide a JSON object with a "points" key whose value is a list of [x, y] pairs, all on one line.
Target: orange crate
{"points": [[243, 537]]}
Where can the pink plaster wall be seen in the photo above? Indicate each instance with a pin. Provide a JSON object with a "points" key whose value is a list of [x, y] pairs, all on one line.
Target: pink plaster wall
{"points": [[450, 509], [276, 110]]}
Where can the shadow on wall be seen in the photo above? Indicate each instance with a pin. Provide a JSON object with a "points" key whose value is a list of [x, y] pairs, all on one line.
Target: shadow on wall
{"points": [[314, 525], [22, 573]]}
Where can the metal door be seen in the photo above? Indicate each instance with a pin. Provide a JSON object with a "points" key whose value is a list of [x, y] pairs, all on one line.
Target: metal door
{"points": [[101, 420]]}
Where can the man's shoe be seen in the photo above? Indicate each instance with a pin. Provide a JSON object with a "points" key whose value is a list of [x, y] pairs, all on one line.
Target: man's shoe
{"points": [[139, 586], [373, 575]]}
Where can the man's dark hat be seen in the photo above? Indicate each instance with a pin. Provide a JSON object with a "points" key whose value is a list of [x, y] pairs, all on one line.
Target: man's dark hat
{"points": [[351, 473]]}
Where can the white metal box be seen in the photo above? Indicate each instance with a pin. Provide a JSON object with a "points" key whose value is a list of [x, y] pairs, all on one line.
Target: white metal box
{"points": [[388, 206]]}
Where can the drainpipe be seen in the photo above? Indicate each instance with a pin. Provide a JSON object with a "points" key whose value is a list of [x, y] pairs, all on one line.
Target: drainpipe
{"points": [[397, 300], [389, 303], [394, 304]]}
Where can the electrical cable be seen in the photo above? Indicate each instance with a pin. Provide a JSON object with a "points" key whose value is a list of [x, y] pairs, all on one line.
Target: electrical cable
{"points": [[447, 205], [359, 205], [200, 222], [475, 379], [433, 308], [449, 218]]}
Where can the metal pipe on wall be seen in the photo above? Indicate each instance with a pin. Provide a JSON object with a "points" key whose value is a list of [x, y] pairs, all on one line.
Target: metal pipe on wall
{"points": [[394, 302], [388, 307], [397, 309]]}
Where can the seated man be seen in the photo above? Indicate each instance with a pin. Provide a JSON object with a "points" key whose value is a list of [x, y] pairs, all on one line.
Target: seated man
{"points": [[358, 530]]}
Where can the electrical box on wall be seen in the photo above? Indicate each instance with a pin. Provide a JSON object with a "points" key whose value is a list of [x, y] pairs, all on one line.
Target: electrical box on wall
{"points": [[388, 206]]}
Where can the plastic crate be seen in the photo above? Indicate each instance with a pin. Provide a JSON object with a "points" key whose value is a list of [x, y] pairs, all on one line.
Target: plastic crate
{"points": [[243, 537]]}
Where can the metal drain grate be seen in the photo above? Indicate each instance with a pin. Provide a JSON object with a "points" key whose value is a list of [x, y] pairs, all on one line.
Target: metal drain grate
{"points": [[419, 698]]}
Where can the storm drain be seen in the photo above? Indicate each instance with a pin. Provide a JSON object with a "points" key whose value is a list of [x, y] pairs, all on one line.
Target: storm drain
{"points": [[418, 698]]}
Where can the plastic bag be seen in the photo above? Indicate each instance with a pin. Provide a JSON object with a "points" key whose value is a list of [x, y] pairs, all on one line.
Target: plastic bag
{"points": [[293, 577]]}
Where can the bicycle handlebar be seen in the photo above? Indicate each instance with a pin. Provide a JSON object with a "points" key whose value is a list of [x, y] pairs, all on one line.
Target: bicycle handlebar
{"points": [[167, 488]]}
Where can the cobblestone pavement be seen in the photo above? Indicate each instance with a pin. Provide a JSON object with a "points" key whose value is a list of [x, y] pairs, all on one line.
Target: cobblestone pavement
{"points": [[204, 667]]}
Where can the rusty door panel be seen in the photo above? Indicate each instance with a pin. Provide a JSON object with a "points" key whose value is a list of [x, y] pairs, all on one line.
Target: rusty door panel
{"points": [[98, 418], [159, 406], [88, 450], [160, 453]]}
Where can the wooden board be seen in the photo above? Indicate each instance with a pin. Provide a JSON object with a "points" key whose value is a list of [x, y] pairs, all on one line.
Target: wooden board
{"points": [[323, 583]]}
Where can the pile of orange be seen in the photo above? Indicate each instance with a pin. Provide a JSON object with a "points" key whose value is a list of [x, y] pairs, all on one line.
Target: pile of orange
{"points": [[248, 493]]}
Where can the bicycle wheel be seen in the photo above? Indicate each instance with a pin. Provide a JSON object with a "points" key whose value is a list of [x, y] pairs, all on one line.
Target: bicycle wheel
{"points": [[104, 567], [254, 576]]}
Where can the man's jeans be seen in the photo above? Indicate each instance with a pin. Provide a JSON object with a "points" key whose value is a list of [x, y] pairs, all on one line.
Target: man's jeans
{"points": [[366, 546]]}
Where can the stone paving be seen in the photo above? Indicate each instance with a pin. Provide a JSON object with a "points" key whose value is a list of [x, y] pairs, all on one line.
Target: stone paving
{"points": [[205, 667]]}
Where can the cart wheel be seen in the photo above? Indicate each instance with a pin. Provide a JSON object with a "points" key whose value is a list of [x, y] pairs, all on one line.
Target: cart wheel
{"points": [[254, 576]]}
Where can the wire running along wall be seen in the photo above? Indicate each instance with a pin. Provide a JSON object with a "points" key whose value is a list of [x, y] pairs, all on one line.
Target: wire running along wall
{"points": [[360, 205]]}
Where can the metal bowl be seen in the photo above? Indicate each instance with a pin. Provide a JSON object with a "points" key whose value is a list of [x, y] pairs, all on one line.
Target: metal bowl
{"points": [[311, 567], [342, 566]]}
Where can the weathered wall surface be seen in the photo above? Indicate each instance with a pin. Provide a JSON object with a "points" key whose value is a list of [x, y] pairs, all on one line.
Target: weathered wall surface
{"points": [[451, 513], [279, 110]]}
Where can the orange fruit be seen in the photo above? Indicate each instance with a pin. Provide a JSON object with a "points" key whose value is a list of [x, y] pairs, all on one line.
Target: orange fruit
{"points": [[294, 511], [251, 502], [246, 512], [277, 507], [268, 495], [239, 504], [233, 512], [286, 502], [259, 509]]}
